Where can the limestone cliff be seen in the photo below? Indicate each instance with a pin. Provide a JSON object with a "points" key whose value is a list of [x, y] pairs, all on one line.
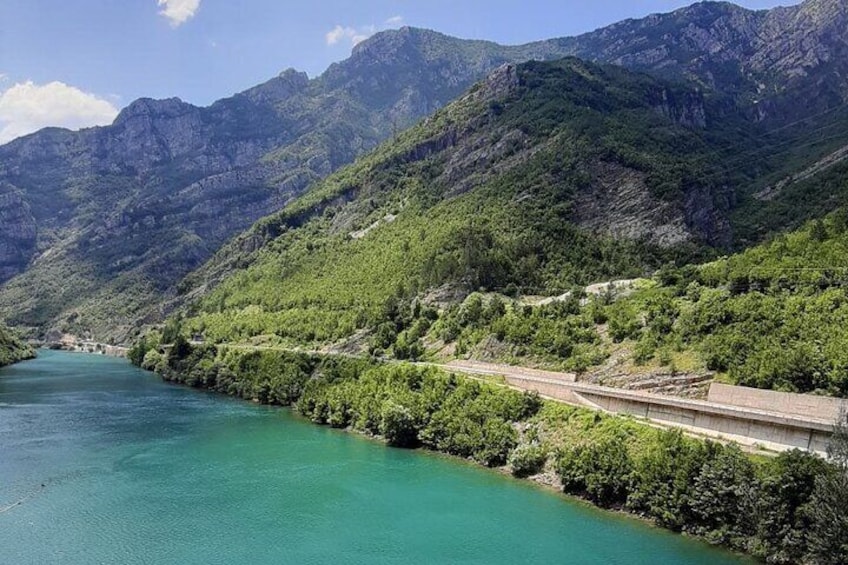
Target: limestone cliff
{"points": [[129, 209]]}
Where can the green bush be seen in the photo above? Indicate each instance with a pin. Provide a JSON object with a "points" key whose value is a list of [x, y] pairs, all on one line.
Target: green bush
{"points": [[600, 470], [398, 425], [527, 460], [151, 360]]}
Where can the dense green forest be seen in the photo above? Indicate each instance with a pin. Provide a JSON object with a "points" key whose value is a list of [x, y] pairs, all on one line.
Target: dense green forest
{"points": [[12, 347], [781, 507]]}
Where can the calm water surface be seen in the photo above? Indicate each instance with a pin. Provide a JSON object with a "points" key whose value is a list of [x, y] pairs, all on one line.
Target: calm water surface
{"points": [[103, 463]]}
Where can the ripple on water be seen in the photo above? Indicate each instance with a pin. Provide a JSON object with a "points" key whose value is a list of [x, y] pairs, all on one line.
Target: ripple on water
{"points": [[136, 471]]}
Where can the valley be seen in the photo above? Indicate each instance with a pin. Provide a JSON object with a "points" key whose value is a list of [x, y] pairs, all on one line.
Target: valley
{"points": [[603, 262], [137, 198]]}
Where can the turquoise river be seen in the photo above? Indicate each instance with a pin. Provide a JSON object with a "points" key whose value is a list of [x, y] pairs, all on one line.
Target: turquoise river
{"points": [[103, 463]]}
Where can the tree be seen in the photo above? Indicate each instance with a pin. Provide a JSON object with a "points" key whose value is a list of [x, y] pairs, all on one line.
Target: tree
{"points": [[828, 537], [818, 231], [664, 475], [723, 496], [181, 348], [601, 470], [783, 507], [397, 425], [172, 329], [138, 351]]}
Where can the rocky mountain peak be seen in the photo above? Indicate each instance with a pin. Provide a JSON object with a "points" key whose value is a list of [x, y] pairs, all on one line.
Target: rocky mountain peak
{"points": [[286, 84], [150, 131], [709, 9], [398, 44], [823, 12], [383, 42], [152, 108]]}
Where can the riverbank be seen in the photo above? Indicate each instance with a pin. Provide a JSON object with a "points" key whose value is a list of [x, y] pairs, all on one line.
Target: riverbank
{"points": [[12, 348], [711, 491], [219, 480]]}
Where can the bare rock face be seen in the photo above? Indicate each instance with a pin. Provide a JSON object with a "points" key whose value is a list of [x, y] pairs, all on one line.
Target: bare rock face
{"points": [[619, 204], [141, 203], [687, 110], [148, 132], [503, 81], [796, 41]]}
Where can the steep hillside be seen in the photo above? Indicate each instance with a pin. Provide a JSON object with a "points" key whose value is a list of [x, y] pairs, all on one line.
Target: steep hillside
{"points": [[772, 317], [105, 221], [100, 225], [511, 188], [543, 178]]}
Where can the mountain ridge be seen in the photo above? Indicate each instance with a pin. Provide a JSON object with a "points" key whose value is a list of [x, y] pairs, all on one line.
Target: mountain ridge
{"points": [[147, 200], [521, 169]]}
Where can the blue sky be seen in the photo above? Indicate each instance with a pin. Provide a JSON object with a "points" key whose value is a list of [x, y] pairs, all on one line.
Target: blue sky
{"points": [[92, 57]]}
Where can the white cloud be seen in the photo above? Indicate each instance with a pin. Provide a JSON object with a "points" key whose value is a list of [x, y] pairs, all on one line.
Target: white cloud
{"points": [[179, 12], [358, 34], [27, 107], [354, 35]]}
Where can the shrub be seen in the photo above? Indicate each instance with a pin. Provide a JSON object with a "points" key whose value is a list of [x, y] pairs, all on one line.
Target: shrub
{"points": [[527, 460], [601, 470], [397, 425], [151, 360]]}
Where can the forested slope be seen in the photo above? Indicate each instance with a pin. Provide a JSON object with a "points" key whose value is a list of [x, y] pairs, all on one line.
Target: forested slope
{"points": [[122, 213], [544, 176], [774, 317]]}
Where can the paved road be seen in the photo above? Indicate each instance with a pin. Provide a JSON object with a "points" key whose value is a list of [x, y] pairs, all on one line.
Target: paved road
{"points": [[773, 429]]}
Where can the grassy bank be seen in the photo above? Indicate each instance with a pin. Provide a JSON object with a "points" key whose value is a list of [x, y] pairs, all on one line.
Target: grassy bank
{"points": [[770, 508]]}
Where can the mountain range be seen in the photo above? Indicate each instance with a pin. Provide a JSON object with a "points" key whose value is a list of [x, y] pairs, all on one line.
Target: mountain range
{"points": [[728, 126]]}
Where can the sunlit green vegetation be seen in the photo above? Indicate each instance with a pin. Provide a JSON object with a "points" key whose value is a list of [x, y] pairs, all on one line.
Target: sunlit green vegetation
{"points": [[438, 238], [772, 317], [477, 204], [763, 506], [425, 220], [12, 348]]}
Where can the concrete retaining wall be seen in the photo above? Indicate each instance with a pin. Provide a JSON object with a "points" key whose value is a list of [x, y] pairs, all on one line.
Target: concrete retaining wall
{"points": [[745, 425], [744, 429], [806, 405]]}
